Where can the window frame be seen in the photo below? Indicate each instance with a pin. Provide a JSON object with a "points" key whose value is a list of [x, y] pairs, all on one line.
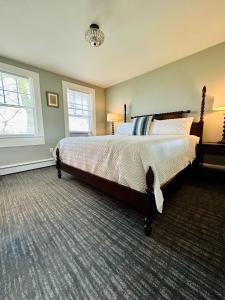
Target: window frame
{"points": [[26, 139], [79, 88]]}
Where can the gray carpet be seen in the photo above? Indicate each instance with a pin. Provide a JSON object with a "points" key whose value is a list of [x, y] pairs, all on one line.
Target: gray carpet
{"points": [[64, 240]]}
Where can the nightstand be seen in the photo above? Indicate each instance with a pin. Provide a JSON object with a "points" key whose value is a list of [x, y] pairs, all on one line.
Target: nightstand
{"points": [[209, 148]]}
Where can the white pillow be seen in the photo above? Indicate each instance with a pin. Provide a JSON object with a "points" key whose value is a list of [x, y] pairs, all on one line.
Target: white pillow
{"points": [[180, 126], [124, 129]]}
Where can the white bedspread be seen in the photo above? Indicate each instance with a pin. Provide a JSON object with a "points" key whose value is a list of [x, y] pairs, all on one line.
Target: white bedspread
{"points": [[126, 159]]}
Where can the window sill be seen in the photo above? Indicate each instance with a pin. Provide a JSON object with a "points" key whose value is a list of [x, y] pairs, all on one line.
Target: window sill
{"points": [[21, 141]]}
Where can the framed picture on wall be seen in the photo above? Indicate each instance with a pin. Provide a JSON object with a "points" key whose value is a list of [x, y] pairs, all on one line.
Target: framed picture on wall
{"points": [[52, 99]]}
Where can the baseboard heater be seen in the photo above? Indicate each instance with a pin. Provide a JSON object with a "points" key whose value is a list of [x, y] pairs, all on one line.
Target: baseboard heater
{"points": [[21, 167]]}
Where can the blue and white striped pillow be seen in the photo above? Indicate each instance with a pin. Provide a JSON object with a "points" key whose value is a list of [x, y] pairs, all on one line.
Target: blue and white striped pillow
{"points": [[141, 125]]}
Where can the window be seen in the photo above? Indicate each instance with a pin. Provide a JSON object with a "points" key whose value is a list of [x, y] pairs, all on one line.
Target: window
{"points": [[79, 109], [20, 107]]}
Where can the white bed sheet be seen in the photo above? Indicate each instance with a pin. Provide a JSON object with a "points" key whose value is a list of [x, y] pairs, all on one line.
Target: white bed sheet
{"points": [[126, 159]]}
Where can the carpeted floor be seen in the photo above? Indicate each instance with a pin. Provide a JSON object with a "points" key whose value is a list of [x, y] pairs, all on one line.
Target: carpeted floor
{"points": [[60, 239]]}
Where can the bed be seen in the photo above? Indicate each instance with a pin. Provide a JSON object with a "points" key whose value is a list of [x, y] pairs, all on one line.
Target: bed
{"points": [[133, 169]]}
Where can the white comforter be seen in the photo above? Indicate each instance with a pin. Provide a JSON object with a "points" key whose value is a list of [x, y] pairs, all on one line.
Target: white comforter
{"points": [[126, 159]]}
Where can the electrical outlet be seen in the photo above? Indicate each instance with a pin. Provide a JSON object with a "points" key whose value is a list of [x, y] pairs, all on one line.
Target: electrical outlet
{"points": [[51, 150]]}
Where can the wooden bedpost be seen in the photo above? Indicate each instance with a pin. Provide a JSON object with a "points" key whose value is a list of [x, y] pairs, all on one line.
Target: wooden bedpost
{"points": [[202, 112], [199, 157], [203, 104], [125, 113], [149, 202], [58, 163]]}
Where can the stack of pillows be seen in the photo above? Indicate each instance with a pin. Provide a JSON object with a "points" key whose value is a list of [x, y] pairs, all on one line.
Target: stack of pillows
{"points": [[146, 126]]}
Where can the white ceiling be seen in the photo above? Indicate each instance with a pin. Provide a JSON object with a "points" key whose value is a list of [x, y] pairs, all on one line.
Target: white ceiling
{"points": [[140, 35]]}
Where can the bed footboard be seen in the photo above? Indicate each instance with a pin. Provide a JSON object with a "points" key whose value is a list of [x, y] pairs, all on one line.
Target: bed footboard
{"points": [[150, 203], [143, 202], [58, 163]]}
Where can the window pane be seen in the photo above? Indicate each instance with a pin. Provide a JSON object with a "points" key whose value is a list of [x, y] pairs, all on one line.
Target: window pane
{"points": [[26, 100], [1, 96], [23, 85], [74, 98], [85, 107], [1, 82], [16, 121], [78, 124], [85, 113], [74, 105], [79, 112], [85, 100], [77, 99], [9, 82], [71, 111], [11, 98]]}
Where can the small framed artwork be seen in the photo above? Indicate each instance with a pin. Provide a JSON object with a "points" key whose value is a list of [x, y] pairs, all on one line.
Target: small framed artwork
{"points": [[52, 99]]}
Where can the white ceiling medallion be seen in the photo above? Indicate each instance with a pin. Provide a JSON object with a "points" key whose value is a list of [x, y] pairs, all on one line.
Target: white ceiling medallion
{"points": [[94, 36]]}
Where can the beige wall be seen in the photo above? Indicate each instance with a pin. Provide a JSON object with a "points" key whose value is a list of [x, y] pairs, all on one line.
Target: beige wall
{"points": [[177, 86], [53, 118]]}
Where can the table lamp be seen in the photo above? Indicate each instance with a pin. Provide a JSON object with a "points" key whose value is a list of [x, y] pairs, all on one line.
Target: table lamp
{"points": [[221, 108], [113, 118]]}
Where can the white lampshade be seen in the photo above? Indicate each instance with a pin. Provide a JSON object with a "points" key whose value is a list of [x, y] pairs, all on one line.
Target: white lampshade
{"points": [[219, 103], [113, 117], [219, 108]]}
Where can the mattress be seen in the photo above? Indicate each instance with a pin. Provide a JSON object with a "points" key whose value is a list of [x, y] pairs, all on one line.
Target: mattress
{"points": [[126, 159]]}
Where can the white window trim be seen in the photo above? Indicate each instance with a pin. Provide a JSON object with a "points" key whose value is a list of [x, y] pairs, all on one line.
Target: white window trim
{"points": [[25, 140], [69, 85]]}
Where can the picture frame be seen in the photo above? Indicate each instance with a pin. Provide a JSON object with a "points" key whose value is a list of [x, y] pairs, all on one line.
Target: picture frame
{"points": [[52, 99]]}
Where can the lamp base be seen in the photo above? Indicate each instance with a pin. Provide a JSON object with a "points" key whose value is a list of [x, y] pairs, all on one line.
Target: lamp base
{"points": [[112, 128], [221, 142], [223, 135]]}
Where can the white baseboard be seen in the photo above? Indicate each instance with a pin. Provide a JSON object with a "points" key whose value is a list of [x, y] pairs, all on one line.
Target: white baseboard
{"points": [[15, 168]]}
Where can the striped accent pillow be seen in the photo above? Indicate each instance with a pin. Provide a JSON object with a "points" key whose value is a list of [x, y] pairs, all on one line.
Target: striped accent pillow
{"points": [[141, 125]]}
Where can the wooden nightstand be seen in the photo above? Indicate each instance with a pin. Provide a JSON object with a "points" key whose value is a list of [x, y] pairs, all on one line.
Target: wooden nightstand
{"points": [[209, 148]]}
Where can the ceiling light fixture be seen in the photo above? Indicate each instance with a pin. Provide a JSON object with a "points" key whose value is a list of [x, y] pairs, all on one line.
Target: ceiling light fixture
{"points": [[94, 36]]}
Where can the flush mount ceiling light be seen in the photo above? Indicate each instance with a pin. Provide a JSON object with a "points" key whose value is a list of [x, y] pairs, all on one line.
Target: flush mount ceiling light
{"points": [[94, 36]]}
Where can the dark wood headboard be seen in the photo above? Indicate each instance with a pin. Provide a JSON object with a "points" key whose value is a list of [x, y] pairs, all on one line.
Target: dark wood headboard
{"points": [[196, 128]]}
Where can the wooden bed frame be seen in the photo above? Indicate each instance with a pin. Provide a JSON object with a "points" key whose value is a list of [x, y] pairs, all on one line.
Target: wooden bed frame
{"points": [[143, 202]]}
